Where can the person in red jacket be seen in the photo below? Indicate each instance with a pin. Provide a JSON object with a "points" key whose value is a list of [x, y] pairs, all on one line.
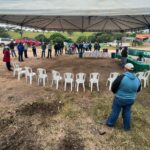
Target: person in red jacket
{"points": [[6, 58]]}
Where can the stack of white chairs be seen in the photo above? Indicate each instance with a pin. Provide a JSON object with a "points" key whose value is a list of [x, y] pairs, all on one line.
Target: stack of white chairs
{"points": [[80, 79], [42, 76], [56, 77], [29, 74], [94, 78], [68, 78], [111, 79]]}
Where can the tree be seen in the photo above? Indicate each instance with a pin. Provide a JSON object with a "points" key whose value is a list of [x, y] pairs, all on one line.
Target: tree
{"points": [[57, 37], [81, 39], [4, 33], [91, 38], [42, 38]]}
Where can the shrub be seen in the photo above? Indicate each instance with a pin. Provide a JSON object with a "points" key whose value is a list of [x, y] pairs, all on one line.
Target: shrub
{"points": [[42, 38]]}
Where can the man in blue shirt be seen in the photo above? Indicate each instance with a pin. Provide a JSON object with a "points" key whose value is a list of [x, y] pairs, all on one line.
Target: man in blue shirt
{"points": [[125, 88], [20, 48]]}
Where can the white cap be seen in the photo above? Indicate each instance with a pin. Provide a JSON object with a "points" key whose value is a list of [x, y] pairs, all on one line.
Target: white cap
{"points": [[129, 66]]}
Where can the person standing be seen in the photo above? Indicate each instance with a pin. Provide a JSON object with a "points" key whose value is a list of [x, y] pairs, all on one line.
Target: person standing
{"points": [[95, 46], [43, 50], [56, 49], [125, 88], [90, 46], [34, 50], [6, 58], [25, 50], [49, 46], [20, 48], [12, 46], [124, 56]]}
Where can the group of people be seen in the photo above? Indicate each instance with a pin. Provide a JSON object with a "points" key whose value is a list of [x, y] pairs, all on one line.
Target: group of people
{"points": [[59, 46], [82, 47]]}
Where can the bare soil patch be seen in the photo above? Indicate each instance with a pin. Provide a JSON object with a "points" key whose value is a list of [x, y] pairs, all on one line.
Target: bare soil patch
{"points": [[42, 108]]}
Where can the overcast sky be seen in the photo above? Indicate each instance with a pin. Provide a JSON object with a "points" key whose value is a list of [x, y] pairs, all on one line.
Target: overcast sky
{"points": [[76, 4]]}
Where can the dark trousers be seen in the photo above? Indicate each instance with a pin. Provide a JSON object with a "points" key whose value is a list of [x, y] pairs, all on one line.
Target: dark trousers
{"points": [[43, 54], [8, 65], [49, 53], [25, 54], [56, 52], [20, 56], [34, 52]]}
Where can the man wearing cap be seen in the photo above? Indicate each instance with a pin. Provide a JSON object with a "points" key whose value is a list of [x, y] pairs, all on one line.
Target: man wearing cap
{"points": [[125, 88]]}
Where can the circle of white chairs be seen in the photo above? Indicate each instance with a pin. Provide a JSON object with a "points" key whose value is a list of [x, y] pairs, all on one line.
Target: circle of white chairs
{"points": [[80, 78]]}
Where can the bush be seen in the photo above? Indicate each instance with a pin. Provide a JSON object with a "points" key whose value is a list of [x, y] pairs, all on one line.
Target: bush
{"points": [[42, 38], [92, 38], [81, 39], [57, 37]]}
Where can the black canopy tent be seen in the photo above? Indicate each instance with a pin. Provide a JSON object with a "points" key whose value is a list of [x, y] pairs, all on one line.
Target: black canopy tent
{"points": [[76, 15]]}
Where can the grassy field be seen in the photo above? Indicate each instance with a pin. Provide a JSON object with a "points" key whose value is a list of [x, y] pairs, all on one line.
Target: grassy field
{"points": [[74, 36]]}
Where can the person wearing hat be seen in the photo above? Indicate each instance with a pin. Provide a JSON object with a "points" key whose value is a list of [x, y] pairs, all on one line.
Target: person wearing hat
{"points": [[125, 88], [6, 57]]}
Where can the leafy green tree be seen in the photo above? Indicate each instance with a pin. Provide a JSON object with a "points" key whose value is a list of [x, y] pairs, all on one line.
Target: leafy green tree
{"points": [[42, 38], [91, 38], [55, 37], [69, 40], [4, 33], [81, 39]]}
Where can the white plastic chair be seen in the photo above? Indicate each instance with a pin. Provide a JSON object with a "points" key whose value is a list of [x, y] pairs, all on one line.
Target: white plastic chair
{"points": [[139, 74], [29, 74], [21, 73], [68, 78], [94, 78], [80, 79], [16, 68], [145, 78], [42, 76], [111, 79], [55, 78]]}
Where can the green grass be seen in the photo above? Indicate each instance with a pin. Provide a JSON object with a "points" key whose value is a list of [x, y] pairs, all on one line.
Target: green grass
{"points": [[74, 36]]}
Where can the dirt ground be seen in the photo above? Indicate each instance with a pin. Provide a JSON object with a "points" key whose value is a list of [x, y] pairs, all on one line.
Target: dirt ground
{"points": [[43, 118]]}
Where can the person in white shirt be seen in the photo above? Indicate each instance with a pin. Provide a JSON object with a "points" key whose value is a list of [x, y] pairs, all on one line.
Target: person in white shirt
{"points": [[25, 50], [49, 46]]}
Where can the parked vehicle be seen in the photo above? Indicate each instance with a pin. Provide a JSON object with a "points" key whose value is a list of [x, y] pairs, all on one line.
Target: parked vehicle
{"points": [[4, 41]]}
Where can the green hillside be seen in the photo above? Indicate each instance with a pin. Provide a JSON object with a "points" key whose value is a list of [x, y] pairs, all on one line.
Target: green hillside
{"points": [[73, 36]]}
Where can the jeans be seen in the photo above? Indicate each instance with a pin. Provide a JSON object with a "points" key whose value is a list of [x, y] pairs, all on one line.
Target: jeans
{"points": [[43, 54], [123, 61], [126, 113], [20, 56]]}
